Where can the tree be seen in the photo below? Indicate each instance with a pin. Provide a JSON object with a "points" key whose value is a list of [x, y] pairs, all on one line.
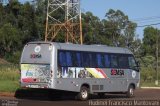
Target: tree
{"points": [[115, 23], [27, 23], [10, 39], [121, 30], [88, 31], [149, 41], [40, 17]]}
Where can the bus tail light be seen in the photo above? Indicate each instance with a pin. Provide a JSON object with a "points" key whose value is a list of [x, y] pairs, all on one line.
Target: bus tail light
{"points": [[51, 73]]}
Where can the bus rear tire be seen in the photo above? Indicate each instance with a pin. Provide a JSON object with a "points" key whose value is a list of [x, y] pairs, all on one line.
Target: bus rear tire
{"points": [[83, 95], [130, 92]]}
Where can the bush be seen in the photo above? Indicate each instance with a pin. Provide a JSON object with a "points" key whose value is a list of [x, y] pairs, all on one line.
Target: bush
{"points": [[13, 58]]}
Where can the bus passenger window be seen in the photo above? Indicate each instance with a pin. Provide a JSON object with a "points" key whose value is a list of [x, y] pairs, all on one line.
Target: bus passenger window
{"points": [[93, 60], [86, 59], [114, 61], [100, 61], [77, 60], [69, 59], [107, 61], [132, 62], [62, 58], [123, 62]]}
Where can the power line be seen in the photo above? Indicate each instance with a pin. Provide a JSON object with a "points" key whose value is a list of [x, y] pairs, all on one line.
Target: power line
{"points": [[146, 18], [140, 26], [149, 25], [149, 21]]}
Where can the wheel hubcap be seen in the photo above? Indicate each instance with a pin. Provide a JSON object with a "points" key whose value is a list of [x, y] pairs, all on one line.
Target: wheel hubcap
{"points": [[84, 94], [131, 92]]}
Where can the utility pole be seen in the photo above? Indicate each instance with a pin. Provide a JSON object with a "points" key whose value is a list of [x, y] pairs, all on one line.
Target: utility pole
{"points": [[67, 24], [157, 48]]}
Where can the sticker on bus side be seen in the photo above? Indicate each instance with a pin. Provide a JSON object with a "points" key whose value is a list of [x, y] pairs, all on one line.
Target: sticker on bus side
{"points": [[73, 72], [115, 72]]}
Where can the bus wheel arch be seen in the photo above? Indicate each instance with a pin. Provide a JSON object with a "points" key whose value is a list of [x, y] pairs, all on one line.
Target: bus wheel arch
{"points": [[130, 91], [84, 92]]}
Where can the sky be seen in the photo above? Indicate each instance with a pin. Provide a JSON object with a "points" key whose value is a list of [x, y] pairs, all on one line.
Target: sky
{"points": [[143, 12]]}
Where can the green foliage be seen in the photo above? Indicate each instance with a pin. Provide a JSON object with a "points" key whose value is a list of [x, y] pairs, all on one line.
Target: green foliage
{"points": [[148, 71], [9, 86], [150, 40], [14, 57], [9, 72], [9, 78], [10, 36], [19, 24], [147, 74]]}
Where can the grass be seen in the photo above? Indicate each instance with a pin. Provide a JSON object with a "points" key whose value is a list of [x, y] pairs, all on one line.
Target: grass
{"points": [[9, 72], [149, 84], [8, 86], [9, 78]]}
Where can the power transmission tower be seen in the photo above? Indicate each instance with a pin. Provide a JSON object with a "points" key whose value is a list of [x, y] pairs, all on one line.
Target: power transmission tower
{"points": [[67, 23]]}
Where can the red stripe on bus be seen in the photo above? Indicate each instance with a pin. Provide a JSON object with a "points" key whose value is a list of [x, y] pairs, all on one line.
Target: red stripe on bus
{"points": [[102, 72]]}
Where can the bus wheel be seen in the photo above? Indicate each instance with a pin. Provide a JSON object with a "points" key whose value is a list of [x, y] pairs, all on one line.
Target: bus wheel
{"points": [[83, 94], [130, 92]]}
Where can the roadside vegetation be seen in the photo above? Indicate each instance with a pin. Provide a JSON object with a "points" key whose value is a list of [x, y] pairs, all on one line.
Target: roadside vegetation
{"points": [[9, 78]]}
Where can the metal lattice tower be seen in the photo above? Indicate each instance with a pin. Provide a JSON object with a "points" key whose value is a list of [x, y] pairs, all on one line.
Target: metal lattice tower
{"points": [[67, 23]]}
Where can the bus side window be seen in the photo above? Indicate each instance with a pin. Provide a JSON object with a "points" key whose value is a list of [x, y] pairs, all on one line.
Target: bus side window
{"points": [[107, 60], [69, 59], [93, 60], [100, 60], [114, 61], [123, 61], [62, 58], [85, 59], [77, 59], [132, 62]]}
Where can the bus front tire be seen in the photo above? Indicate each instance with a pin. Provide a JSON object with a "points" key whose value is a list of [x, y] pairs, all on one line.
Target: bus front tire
{"points": [[83, 95], [130, 92]]}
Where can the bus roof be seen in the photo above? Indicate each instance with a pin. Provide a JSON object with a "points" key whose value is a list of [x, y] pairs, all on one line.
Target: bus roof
{"points": [[92, 48]]}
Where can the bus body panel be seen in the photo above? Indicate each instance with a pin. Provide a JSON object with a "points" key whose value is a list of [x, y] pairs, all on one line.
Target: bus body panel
{"points": [[45, 54], [111, 84]]}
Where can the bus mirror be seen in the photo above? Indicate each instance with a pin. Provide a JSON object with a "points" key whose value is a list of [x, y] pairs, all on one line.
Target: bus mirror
{"points": [[138, 63], [137, 67]]}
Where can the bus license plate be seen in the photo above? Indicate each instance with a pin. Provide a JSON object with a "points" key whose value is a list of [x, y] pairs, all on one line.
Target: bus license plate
{"points": [[34, 86]]}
